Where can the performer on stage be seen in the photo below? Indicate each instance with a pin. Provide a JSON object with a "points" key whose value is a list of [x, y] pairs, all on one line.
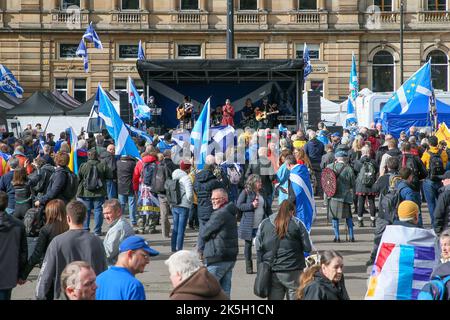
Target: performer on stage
{"points": [[216, 116], [184, 113], [248, 111], [260, 113], [228, 114]]}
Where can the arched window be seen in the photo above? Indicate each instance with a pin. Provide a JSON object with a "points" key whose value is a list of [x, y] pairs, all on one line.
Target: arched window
{"points": [[439, 69], [383, 72]]}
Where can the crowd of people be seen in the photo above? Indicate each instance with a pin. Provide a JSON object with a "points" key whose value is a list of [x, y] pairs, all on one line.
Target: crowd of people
{"points": [[45, 209]]}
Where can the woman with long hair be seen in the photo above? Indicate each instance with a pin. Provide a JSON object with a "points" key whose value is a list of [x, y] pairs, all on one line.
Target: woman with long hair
{"points": [[282, 239], [56, 223], [254, 209], [22, 192], [326, 281]]}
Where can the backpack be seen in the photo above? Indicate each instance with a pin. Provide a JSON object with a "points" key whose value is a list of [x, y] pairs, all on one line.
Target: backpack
{"points": [[71, 185], [92, 181], [436, 167], [328, 179], [173, 192], [434, 290], [33, 221], [45, 173], [147, 173], [410, 163], [160, 174], [368, 174], [234, 176]]}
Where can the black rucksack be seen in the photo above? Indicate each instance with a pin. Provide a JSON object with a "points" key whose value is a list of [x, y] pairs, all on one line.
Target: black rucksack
{"points": [[44, 177], [173, 192], [368, 175], [160, 175], [92, 181], [388, 206], [147, 173], [411, 164], [436, 166], [71, 188], [34, 221]]}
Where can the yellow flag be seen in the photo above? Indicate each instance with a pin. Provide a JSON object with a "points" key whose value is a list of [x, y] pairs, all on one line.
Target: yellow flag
{"points": [[443, 133]]}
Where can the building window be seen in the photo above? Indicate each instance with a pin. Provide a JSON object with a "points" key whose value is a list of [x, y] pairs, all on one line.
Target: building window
{"points": [[248, 52], [61, 85], [439, 69], [68, 50], [384, 5], [437, 5], [313, 48], [189, 51], [121, 85], [317, 86], [130, 5], [383, 72], [128, 51], [307, 4], [248, 5], [189, 5], [65, 4], [79, 90]]}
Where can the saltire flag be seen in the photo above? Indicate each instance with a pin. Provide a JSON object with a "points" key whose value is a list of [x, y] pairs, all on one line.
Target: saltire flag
{"points": [[139, 133], [41, 144], [200, 136], [115, 126], [73, 163], [82, 52], [141, 53], [91, 36], [304, 195], [307, 61], [8, 83], [353, 86], [140, 110], [404, 263]]}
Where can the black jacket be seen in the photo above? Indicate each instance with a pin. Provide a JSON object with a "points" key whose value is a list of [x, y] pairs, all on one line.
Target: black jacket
{"points": [[170, 165], [323, 289], [381, 186], [110, 160], [264, 169], [56, 186], [421, 170], [358, 165], [6, 186], [205, 183], [315, 150], [379, 155], [220, 235], [40, 178], [125, 170], [442, 211]]}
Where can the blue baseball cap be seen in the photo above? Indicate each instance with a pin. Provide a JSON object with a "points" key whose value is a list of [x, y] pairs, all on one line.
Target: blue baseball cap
{"points": [[336, 134], [135, 243]]}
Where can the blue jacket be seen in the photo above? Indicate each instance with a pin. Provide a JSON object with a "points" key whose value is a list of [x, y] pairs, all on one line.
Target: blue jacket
{"points": [[163, 146], [315, 150], [406, 193], [118, 283], [6, 186], [283, 179]]}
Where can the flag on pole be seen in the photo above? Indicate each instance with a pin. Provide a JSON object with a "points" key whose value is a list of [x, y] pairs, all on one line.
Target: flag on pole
{"points": [[200, 136], [8, 83], [353, 86], [443, 133], [91, 36], [73, 163], [308, 67], [139, 133], [141, 53], [82, 52], [115, 126], [304, 195], [140, 110]]}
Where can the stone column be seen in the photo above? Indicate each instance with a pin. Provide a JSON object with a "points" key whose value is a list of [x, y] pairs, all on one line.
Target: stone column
{"points": [[294, 5], [174, 5], [56, 4], [262, 5], [321, 5], [84, 4], [203, 5]]}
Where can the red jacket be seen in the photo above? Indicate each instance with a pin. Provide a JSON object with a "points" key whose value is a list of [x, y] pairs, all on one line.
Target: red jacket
{"points": [[375, 144], [138, 170], [228, 114]]}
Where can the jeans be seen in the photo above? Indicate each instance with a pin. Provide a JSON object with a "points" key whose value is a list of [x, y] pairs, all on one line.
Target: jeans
{"points": [[349, 222], [111, 189], [284, 284], [164, 211], [96, 205], [223, 272], [5, 294], [180, 218], [131, 200], [431, 191]]}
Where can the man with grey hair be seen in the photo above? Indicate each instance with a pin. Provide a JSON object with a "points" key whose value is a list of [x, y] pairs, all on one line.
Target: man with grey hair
{"points": [[190, 279], [78, 281], [6, 184]]}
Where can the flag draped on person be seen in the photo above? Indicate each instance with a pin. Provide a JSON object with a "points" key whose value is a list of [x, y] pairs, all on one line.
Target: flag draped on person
{"points": [[307, 61], [200, 136], [115, 126], [353, 86], [73, 163], [141, 53], [140, 110], [82, 52], [404, 263], [8, 83], [304, 195]]}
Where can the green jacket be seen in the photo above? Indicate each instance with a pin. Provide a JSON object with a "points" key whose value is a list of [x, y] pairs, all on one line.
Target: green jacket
{"points": [[345, 182], [104, 173]]}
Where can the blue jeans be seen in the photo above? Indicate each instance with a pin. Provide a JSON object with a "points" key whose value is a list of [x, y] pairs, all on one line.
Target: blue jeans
{"points": [[131, 200], [111, 189], [96, 205], [431, 191], [180, 219], [223, 272]]}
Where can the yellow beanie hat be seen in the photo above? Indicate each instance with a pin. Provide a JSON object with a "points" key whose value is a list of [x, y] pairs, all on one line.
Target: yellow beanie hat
{"points": [[408, 210]]}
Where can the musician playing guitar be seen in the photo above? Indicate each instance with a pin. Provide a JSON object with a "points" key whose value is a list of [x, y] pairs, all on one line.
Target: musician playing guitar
{"points": [[228, 114], [260, 113], [184, 113]]}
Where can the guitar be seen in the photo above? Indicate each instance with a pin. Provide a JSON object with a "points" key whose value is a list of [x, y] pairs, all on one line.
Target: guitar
{"points": [[184, 110], [261, 115]]}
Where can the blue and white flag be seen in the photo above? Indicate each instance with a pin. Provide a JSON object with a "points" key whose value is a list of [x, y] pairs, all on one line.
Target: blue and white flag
{"points": [[200, 136], [353, 86], [82, 52], [308, 67], [141, 53], [304, 195], [8, 83], [139, 133], [91, 36], [116, 127], [140, 110]]}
